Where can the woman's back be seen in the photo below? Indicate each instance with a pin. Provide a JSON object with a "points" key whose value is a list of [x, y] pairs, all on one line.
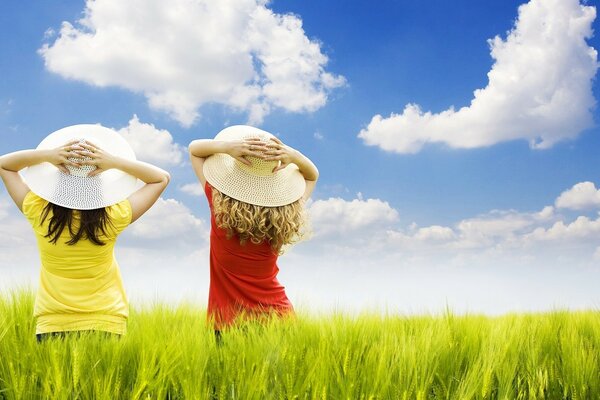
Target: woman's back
{"points": [[80, 284], [242, 276], [248, 258]]}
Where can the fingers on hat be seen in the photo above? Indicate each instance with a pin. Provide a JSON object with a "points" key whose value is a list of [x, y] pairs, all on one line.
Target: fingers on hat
{"points": [[92, 144], [244, 160], [72, 163], [84, 154], [280, 166], [273, 153], [96, 172], [88, 146], [71, 143], [254, 144]]}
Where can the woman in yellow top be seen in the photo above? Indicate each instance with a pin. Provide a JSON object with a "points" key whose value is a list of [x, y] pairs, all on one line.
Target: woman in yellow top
{"points": [[79, 190]]}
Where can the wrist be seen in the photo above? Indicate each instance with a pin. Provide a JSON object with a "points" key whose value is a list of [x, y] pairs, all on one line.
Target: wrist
{"points": [[114, 162], [226, 147], [45, 155], [296, 156]]}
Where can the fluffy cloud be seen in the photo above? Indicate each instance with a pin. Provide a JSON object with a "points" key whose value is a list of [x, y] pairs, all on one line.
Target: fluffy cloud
{"points": [[193, 189], [336, 216], [168, 219], [152, 145], [435, 233], [583, 228], [539, 89], [581, 196], [360, 229], [498, 226], [15, 231], [19, 263], [182, 54], [494, 230]]}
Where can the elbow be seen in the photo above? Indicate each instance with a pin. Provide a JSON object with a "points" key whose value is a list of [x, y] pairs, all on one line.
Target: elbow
{"points": [[191, 147], [2, 169], [314, 176], [164, 179]]}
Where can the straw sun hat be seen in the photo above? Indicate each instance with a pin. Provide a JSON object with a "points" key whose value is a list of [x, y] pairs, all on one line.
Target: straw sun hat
{"points": [[255, 184], [76, 190]]}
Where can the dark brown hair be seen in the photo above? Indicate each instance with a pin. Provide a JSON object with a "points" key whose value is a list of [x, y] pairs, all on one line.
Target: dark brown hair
{"points": [[92, 224]]}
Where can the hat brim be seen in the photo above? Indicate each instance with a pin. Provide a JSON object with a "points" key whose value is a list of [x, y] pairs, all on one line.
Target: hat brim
{"points": [[227, 175], [82, 193]]}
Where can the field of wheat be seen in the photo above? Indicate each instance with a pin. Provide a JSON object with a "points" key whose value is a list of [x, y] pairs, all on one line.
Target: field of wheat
{"points": [[170, 353]]}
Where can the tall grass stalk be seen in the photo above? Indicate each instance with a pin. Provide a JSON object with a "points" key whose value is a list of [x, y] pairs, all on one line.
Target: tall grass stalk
{"points": [[170, 353]]}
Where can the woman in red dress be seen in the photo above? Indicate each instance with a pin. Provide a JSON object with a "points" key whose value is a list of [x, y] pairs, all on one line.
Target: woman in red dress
{"points": [[256, 187]]}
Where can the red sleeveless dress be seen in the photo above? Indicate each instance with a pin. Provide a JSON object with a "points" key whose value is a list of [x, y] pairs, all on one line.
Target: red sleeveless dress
{"points": [[243, 278]]}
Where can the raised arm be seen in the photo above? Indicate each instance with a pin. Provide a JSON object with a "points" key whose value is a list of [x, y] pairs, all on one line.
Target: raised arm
{"points": [[155, 179], [12, 163], [203, 148]]}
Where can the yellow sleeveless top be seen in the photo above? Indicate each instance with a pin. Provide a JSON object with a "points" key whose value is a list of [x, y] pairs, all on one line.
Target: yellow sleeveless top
{"points": [[80, 286]]}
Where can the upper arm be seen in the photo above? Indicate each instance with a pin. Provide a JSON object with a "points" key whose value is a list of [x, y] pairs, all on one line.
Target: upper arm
{"points": [[310, 186], [16, 187], [198, 165], [145, 197]]}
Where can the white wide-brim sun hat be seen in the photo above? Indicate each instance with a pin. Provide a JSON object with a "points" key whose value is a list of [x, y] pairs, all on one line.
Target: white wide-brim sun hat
{"points": [[77, 190], [256, 184]]}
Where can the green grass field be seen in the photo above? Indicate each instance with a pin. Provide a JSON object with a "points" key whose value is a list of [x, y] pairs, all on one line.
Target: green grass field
{"points": [[170, 353]]}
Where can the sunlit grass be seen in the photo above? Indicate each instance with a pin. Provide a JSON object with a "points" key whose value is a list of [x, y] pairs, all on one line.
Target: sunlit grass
{"points": [[170, 353]]}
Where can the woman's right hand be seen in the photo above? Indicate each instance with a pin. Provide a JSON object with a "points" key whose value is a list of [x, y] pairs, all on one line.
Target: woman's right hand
{"points": [[60, 156], [101, 159]]}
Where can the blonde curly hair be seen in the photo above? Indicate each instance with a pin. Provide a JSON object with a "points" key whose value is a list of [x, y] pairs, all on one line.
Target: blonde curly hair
{"points": [[280, 226]]}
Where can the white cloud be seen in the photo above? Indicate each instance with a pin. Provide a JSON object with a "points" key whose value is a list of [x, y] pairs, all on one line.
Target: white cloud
{"points": [[19, 262], [359, 227], [581, 196], [341, 217], [182, 54], [435, 233], [49, 33], [15, 231], [152, 145], [498, 227], [193, 189], [168, 220], [4, 208], [583, 228], [539, 89]]}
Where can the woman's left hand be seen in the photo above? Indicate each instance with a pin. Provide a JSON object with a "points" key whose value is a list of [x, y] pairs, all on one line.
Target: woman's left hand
{"points": [[278, 151]]}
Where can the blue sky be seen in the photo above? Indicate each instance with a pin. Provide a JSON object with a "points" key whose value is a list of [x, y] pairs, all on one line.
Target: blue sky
{"points": [[379, 59]]}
